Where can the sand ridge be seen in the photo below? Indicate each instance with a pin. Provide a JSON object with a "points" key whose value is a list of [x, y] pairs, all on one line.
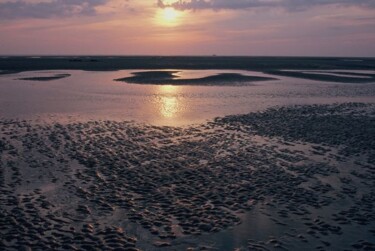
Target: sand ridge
{"points": [[168, 78], [46, 78]]}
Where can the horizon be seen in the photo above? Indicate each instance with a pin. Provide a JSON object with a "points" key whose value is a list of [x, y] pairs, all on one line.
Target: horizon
{"points": [[176, 55], [286, 28]]}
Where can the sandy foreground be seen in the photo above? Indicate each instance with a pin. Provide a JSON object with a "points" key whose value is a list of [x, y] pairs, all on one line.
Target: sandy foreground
{"points": [[291, 178]]}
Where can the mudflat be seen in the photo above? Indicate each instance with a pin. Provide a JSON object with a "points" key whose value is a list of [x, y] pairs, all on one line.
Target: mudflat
{"points": [[308, 170]]}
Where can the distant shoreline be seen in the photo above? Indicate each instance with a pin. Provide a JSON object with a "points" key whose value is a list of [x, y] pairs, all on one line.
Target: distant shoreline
{"points": [[109, 63]]}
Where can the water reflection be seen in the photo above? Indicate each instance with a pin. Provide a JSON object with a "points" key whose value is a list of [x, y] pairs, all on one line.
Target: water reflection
{"points": [[169, 103], [94, 95], [169, 106], [168, 89]]}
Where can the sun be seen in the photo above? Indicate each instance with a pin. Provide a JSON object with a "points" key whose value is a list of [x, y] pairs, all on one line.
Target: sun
{"points": [[168, 17], [170, 14]]}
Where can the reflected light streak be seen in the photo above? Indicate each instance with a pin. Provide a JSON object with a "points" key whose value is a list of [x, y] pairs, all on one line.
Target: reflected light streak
{"points": [[168, 89], [169, 107], [169, 104]]}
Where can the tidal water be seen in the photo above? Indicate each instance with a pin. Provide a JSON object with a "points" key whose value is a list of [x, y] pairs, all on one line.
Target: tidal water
{"points": [[95, 95]]}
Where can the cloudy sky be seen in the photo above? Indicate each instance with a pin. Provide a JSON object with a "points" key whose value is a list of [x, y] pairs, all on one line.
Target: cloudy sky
{"points": [[188, 27]]}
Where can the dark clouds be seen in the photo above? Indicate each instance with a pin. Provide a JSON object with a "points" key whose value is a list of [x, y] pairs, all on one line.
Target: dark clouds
{"points": [[248, 4], [45, 9]]}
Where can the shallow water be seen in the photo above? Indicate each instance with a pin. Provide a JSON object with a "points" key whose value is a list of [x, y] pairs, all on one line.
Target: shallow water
{"points": [[94, 95], [337, 73]]}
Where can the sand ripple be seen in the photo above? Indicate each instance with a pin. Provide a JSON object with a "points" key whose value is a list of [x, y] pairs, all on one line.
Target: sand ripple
{"points": [[105, 185]]}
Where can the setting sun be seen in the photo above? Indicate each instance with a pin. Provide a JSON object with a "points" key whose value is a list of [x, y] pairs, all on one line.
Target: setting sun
{"points": [[169, 17]]}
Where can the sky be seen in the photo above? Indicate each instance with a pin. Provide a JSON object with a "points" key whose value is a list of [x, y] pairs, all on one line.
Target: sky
{"points": [[188, 27]]}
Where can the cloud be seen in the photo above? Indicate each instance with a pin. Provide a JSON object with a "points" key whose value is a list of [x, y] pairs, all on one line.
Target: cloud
{"points": [[292, 5], [15, 9]]}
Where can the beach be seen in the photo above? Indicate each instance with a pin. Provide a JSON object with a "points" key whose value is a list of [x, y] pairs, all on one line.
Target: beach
{"points": [[187, 154]]}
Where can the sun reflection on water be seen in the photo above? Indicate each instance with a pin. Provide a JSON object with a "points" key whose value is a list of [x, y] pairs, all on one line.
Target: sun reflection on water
{"points": [[168, 89], [169, 104]]}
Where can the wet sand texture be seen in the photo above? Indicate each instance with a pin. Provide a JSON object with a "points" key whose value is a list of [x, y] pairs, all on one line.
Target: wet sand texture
{"points": [[168, 78], [105, 185]]}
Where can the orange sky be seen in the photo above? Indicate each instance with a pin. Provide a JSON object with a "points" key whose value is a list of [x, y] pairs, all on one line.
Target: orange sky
{"points": [[146, 27]]}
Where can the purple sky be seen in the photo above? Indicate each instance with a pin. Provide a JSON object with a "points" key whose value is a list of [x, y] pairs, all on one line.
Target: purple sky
{"points": [[195, 27]]}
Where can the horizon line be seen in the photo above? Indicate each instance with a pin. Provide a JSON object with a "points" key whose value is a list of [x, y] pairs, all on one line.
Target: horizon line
{"points": [[173, 55]]}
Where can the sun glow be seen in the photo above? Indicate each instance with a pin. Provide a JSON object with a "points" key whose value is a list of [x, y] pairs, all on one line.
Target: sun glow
{"points": [[169, 17]]}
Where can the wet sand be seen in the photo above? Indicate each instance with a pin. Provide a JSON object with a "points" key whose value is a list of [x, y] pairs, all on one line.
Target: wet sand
{"points": [[288, 178]]}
